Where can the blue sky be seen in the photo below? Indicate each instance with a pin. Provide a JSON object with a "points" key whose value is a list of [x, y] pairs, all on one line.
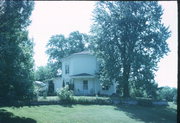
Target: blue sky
{"points": [[62, 17]]}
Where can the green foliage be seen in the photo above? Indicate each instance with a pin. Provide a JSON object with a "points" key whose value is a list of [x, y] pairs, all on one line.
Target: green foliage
{"points": [[44, 94], [167, 93], [65, 95], [145, 101], [129, 39], [138, 92], [16, 52], [92, 100], [79, 100], [40, 88], [60, 47], [149, 92], [43, 73]]}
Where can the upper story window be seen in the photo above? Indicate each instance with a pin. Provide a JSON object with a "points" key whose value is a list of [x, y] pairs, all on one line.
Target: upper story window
{"points": [[66, 69]]}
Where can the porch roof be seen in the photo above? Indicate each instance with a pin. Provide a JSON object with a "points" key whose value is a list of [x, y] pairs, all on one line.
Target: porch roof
{"points": [[82, 75]]}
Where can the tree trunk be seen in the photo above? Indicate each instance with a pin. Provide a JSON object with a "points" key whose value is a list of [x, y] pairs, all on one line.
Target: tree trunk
{"points": [[126, 88], [126, 81]]}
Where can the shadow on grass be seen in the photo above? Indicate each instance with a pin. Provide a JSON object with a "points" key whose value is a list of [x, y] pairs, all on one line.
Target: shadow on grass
{"points": [[67, 105], [7, 117], [149, 114]]}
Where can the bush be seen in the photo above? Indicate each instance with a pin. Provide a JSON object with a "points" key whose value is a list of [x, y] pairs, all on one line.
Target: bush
{"points": [[92, 100], [44, 94], [145, 102], [65, 95], [83, 101], [167, 93]]}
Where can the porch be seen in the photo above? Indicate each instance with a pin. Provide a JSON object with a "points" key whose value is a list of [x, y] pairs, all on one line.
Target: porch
{"points": [[85, 84]]}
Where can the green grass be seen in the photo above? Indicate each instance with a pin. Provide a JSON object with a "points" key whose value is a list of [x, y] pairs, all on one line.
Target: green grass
{"points": [[88, 114]]}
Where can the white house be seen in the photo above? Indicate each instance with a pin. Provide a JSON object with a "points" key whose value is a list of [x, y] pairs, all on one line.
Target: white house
{"points": [[79, 70], [57, 83]]}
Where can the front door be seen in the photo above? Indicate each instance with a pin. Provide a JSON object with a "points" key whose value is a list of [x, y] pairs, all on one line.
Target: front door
{"points": [[85, 87]]}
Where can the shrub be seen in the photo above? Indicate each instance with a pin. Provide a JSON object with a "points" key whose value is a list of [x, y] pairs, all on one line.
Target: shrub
{"points": [[83, 101], [92, 100], [44, 94], [175, 99], [167, 93], [65, 95], [145, 102]]}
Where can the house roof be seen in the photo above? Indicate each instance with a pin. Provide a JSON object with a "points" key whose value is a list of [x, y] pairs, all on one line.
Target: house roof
{"points": [[79, 53], [82, 74], [82, 53]]}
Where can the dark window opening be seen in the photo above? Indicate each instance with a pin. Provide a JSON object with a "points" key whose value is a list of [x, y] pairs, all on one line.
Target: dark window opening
{"points": [[67, 83], [105, 87], [51, 91], [85, 84], [66, 69]]}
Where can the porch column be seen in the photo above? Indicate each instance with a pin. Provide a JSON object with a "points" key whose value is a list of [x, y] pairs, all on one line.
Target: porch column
{"points": [[95, 86]]}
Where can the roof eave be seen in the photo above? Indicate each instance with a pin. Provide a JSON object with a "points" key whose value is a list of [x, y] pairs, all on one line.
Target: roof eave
{"points": [[82, 77]]}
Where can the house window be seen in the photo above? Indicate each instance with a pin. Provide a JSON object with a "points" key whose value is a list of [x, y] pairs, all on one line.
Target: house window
{"points": [[105, 87], [67, 83], [85, 85], [66, 69]]}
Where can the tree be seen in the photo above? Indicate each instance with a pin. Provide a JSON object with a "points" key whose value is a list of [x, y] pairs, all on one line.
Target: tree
{"points": [[167, 93], [60, 47], [16, 52], [43, 73], [129, 39]]}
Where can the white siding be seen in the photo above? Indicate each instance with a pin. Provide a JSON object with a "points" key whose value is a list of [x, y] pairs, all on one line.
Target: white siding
{"points": [[92, 87], [66, 77], [83, 64], [57, 83]]}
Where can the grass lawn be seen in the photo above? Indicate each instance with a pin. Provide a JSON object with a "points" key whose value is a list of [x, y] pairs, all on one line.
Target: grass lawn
{"points": [[88, 114]]}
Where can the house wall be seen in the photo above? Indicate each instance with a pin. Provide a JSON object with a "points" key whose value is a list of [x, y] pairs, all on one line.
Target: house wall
{"points": [[66, 77], [92, 87], [83, 64], [57, 83], [79, 64]]}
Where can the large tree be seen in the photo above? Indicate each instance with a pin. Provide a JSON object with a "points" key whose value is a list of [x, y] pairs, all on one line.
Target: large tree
{"points": [[43, 73], [168, 93], [16, 51], [129, 39], [60, 47]]}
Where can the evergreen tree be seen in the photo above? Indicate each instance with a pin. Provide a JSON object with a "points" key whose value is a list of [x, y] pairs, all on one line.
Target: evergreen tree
{"points": [[16, 52]]}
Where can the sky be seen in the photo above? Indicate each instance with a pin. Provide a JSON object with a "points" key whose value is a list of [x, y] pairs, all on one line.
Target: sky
{"points": [[62, 17]]}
